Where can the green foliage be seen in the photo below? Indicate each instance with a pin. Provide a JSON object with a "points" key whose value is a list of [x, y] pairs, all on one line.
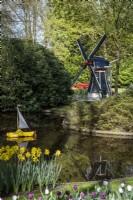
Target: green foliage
{"points": [[66, 29], [88, 20], [48, 173], [126, 74], [113, 113], [32, 76]]}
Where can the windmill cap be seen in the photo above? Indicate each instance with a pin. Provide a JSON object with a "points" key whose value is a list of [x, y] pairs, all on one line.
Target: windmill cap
{"points": [[100, 62]]}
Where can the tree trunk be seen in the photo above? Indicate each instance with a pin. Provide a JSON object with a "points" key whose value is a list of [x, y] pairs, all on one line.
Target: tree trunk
{"points": [[34, 23], [117, 76]]}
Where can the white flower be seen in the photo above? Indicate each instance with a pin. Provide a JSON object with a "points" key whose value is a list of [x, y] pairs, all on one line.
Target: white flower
{"points": [[129, 188], [46, 191], [14, 197], [98, 189], [120, 190], [1, 198], [122, 185], [105, 182]]}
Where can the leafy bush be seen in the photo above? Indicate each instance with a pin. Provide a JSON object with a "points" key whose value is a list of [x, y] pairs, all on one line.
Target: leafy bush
{"points": [[32, 76], [112, 113]]}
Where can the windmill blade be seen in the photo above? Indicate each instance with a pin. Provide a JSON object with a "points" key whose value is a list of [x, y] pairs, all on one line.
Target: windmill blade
{"points": [[82, 50], [86, 59], [78, 75], [97, 47]]}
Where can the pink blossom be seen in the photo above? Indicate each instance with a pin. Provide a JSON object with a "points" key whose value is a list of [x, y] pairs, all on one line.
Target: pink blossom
{"points": [[75, 187], [82, 195], [30, 196]]}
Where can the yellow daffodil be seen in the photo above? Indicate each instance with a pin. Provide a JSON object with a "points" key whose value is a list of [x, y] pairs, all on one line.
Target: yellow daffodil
{"points": [[33, 151], [27, 154], [6, 158], [47, 152], [7, 147], [38, 152], [15, 148], [12, 152], [21, 157], [22, 149], [35, 159], [58, 153]]}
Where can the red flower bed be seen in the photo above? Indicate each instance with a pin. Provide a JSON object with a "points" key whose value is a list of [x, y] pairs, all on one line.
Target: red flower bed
{"points": [[81, 86]]}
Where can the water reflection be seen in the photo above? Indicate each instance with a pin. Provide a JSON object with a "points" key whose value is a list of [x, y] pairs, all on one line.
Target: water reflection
{"points": [[50, 133], [78, 151]]}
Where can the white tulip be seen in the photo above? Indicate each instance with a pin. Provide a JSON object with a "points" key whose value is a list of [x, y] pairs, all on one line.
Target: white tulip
{"points": [[46, 191], [98, 189], [120, 190], [129, 188], [14, 197], [122, 185], [105, 182]]}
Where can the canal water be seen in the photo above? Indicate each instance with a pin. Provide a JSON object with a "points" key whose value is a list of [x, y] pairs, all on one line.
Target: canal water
{"points": [[79, 152]]}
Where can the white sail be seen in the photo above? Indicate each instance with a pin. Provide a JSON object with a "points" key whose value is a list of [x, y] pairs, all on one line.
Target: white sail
{"points": [[21, 121]]}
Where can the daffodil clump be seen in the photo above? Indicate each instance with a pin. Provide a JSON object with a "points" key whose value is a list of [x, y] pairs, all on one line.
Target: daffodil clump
{"points": [[21, 168], [7, 152]]}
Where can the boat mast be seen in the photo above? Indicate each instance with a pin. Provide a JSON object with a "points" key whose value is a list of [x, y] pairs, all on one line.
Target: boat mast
{"points": [[17, 117]]}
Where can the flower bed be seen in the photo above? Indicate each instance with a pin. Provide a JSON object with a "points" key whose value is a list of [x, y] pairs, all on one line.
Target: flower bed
{"points": [[104, 190], [22, 170], [80, 86]]}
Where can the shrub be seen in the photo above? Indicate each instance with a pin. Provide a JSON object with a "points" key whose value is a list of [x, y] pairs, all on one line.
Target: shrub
{"points": [[32, 76]]}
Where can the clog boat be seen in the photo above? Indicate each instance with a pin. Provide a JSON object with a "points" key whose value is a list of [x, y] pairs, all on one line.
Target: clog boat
{"points": [[20, 133], [21, 124]]}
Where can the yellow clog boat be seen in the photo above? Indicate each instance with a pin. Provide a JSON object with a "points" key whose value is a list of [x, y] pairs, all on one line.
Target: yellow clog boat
{"points": [[20, 133], [21, 124]]}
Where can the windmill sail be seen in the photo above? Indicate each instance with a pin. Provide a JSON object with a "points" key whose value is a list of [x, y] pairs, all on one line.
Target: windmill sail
{"points": [[21, 121]]}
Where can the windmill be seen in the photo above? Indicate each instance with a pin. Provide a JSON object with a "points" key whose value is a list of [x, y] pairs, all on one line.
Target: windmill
{"points": [[100, 81]]}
